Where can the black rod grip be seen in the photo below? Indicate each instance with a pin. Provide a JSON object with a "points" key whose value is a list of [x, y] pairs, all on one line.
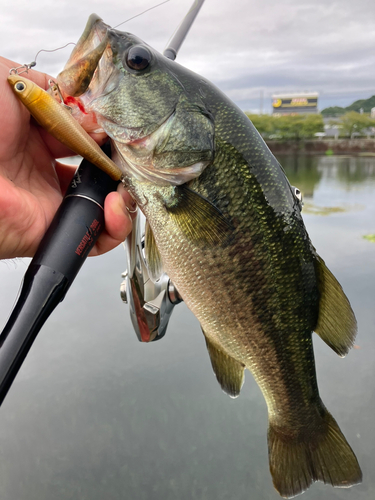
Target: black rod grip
{"points": [[41, 291], [74, 230]]}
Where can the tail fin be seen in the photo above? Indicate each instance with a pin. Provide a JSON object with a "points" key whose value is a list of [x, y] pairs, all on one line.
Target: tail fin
{"points": [[324, 455]]}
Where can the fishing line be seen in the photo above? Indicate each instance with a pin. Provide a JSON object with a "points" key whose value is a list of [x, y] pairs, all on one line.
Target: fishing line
{"points": [[51, 50], [72, 43], [154, 7], [25, 67]]}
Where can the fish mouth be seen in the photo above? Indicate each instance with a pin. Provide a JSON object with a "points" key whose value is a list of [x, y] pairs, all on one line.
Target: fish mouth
{"points": [[85, 58], [89, 74], [93, 83]]}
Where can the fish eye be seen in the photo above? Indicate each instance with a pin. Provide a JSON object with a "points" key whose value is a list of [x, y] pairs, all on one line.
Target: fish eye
{"points": [[138, 58], [20, 86]]}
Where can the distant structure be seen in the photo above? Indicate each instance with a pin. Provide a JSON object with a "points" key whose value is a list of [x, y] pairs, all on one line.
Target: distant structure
{"points": [[296, 103], [372, 113]]}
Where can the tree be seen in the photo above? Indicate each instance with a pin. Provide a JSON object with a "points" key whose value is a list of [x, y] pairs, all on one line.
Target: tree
{"points": [[294, 127], [263, 123], [298, 126], [311, 125], [353, 122]]}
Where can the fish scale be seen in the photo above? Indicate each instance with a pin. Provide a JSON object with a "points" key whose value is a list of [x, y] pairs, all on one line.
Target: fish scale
{"points": [[235, 303], [224, 219]]}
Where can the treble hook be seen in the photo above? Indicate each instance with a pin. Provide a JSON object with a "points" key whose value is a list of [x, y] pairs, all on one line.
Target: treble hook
{"points": [[55, 91]]}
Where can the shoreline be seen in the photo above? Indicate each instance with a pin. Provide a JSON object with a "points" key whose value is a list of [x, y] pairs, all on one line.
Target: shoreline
{"points": [[359, 147]]}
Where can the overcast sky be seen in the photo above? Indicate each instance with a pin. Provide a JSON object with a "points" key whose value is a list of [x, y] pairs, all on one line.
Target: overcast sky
{"points": [[245, 47]]}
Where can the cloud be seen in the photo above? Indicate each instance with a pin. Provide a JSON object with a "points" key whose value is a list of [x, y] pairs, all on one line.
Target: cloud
{"points": [[243, 47]]}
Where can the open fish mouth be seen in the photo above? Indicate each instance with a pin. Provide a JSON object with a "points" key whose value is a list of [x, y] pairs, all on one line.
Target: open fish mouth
{"points": [[84, 61], [115, 85], [91, 73]]}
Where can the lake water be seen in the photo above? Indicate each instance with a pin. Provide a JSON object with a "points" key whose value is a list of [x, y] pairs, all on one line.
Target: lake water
{"points": [[93, 414]]}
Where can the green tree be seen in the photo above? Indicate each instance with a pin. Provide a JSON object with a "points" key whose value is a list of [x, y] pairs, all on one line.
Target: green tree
{"points": [[263, 123], [288, 127], [311, 125], [298, 126], [293, 127], [353, 122]]}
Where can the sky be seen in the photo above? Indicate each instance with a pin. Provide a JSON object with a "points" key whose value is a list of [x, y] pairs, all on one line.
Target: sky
{"points": [[247, 48]]}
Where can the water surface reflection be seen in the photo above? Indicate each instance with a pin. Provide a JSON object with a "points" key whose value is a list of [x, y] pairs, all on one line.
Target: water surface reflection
{"points": [[94, 414], [327, 181]]}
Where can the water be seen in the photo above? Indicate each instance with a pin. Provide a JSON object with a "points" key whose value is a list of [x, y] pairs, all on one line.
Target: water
{"points": [[94, 414]]}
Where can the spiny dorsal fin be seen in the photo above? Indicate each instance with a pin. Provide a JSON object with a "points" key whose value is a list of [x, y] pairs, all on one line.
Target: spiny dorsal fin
{"points": [[229, 372], [153, 257], [198, 218], [336, 325]]}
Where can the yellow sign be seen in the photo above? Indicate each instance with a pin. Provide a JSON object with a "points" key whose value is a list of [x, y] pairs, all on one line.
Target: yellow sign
{"points": [[299, 101], [295, 102]]}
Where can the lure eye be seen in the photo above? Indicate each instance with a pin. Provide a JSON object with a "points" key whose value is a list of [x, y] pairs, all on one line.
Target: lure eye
{"points": [[20, 86], [138, 58]]}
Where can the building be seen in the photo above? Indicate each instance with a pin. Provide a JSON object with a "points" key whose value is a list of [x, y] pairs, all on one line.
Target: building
{"points": [[295, 103]]}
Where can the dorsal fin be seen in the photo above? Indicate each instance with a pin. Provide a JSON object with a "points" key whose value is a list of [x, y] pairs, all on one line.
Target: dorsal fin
{"points": [[198, 218], [152, 254], [229, 372], [336, 325]]}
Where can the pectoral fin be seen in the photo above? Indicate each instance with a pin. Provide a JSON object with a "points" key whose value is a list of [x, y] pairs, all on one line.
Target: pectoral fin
{"points": [[198, 218], [229, 372], [153, 257], [336, 325]]}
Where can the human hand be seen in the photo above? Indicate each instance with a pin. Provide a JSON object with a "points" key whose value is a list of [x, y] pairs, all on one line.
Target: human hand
{"points": [[33, 183]]}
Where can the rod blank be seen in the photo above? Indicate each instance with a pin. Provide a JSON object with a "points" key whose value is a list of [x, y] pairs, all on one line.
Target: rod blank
{"points": [[174, 45]]}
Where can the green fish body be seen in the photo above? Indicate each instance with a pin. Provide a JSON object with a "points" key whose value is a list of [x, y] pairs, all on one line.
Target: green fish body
{"points": [[224, 224]]}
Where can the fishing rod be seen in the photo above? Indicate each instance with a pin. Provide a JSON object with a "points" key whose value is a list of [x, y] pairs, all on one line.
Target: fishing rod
{"points": [[180, 34], [64, 248]]}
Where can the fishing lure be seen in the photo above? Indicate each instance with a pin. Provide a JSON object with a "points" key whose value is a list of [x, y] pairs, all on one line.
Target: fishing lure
{"points": [[58, 121]]}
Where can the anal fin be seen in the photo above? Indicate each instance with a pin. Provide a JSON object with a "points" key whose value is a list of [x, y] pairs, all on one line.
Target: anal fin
{"points": [[336, 324], [229, 372]]}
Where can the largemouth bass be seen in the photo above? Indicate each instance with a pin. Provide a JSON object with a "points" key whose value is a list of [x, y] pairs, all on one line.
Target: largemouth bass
{"points": [[224, 223]]}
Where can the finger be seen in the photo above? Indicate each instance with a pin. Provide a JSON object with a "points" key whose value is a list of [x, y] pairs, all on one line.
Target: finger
{"points": [[117, 208], [55, 147], [65, 174], [118, 222], [59, 150], [129, 200], [37, 77]]}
